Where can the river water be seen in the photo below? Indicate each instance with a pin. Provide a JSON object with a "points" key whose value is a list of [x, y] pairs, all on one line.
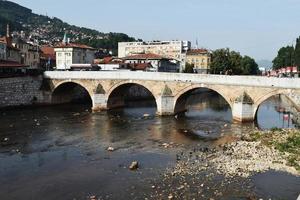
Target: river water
{"points": [[60, 152]]}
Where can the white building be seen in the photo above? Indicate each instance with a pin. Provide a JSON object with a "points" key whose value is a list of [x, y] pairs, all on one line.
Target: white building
{"points": [[68, 54], [169, 49], [2, 51]]}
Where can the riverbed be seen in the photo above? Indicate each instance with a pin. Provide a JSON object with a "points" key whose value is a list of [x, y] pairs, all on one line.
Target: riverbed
{"points": [[60, 152]]}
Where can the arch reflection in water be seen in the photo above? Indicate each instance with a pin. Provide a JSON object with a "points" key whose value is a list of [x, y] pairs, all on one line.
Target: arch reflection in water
{"points": [[207, 114], [276, 112], [131, 95]]}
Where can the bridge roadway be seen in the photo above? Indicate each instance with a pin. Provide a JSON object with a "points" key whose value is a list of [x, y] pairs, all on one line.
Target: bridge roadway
{"points": [[244, 94]]}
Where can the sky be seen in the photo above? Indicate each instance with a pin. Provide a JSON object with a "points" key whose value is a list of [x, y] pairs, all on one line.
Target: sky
{"points": [[257, 28]]}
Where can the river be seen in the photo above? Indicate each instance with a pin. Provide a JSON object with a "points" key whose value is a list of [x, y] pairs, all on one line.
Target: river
{"points": [[59, 152]]}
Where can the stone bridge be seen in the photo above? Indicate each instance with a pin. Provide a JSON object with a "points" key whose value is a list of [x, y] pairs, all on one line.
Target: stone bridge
{"points": [[244, 94]]}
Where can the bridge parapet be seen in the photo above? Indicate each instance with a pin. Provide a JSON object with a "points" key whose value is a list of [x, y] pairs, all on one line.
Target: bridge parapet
{"points": [[253, 81]]}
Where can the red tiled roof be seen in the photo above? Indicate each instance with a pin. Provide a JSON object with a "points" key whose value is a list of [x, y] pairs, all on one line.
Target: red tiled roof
{"points": [[140, 66], [74, 45], [107, 60], [147, 56], [48, 52], [197, 51], [10, 64]]}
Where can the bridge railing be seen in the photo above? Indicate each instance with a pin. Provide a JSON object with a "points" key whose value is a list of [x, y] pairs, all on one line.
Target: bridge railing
{"points": [[255, 81]]}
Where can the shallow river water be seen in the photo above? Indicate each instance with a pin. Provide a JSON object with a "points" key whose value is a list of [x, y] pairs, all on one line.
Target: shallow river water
{"points": [[60, 152]]}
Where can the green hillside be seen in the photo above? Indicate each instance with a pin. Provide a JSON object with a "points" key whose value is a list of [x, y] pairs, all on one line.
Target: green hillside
{"points": [[51, 30]]}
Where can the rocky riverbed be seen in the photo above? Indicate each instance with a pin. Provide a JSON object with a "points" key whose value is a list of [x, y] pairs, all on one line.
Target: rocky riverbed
{"points": [[208, 172]]}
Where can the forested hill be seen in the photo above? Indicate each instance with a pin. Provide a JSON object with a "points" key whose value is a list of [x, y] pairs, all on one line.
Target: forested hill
{"points": [[50, 30]]}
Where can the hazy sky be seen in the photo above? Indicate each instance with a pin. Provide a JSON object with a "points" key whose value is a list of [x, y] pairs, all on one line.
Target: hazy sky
{"points": [[254, 27]]}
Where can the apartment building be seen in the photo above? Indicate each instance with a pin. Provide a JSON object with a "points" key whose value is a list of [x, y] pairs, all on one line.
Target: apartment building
{"points": [[201, 59], [170, 49]]}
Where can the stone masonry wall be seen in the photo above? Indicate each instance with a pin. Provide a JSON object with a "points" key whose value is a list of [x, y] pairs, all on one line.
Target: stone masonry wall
{"points": [[20, 91]]}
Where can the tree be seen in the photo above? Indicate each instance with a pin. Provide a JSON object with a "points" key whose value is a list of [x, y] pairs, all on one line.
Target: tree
{"points": [[235, 62], [220, 61], [285, 57], [297, 53], [225, 61], [189, 68], [249, 66]]}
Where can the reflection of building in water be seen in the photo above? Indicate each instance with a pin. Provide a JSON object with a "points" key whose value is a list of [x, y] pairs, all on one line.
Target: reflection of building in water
{"points": [[200, 106], [202, 99], [289, 113]]}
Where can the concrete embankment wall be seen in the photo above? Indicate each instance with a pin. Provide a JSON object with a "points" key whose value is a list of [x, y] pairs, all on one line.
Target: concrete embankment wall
{"points": [[20, 91]]}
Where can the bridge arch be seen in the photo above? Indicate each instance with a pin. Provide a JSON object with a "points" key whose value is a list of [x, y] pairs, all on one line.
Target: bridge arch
{"points": [[179, 101], [266, 96], [70, 91], [128, 90]]}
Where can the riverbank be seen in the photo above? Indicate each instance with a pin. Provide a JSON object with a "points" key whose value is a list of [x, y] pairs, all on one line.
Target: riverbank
{"points": [[207, 172]]}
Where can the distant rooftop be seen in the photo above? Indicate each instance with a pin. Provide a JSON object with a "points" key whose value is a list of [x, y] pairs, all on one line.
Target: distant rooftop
{"points": [[197, 51], [47, 52], [73, 45], [147, 56]]}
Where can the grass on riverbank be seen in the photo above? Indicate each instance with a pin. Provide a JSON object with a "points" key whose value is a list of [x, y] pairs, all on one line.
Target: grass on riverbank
{"points": [[285, 141]]}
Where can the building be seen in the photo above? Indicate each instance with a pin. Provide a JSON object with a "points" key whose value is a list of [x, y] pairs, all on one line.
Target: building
{"points": [[201, 59], [70, 53], [47, 58], [169, 49], [3, 48], [158, 63], [11, 53], [30, 54]]}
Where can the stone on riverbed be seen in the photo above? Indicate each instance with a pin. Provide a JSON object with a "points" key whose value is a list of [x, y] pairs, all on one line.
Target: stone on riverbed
{"points": [[134, 165], [146, 115], [110, 149]]}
